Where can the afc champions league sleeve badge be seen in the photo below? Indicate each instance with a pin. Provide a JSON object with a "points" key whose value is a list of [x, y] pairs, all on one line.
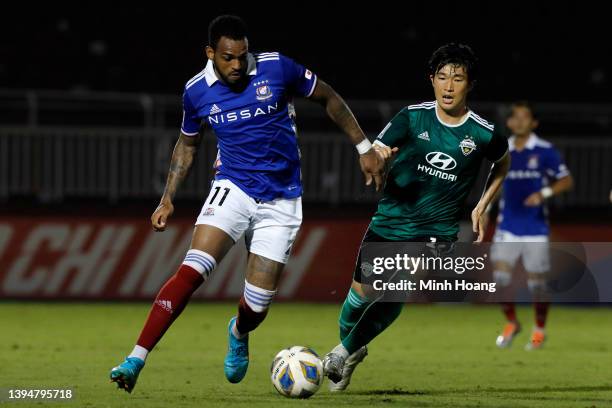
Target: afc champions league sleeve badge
{"points": [[467, 145]]}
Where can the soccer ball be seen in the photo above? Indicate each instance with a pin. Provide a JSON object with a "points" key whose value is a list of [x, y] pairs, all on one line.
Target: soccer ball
{"points": [[297, 372]]}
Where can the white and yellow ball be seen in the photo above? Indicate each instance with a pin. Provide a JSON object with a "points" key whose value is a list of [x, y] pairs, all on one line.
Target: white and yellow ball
{"points": [[297, 372]]}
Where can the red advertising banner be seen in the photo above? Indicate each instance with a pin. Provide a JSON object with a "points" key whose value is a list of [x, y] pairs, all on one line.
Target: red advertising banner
{"points": [[72, 258], [91, 259]]}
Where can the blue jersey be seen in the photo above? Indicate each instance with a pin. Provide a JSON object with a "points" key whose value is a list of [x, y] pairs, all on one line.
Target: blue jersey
{"points": [[532, 168], [257, 140]]}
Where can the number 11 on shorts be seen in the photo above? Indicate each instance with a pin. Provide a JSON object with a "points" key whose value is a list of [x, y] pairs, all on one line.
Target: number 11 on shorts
{"points": [[217, 189]]}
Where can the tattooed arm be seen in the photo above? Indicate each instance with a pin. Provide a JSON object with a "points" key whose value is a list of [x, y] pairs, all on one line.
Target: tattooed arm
{"points": [[372, 166], [182, 159]]}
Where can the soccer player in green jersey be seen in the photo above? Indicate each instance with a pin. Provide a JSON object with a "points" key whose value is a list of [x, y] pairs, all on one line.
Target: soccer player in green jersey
{"points": [[438, 148]]}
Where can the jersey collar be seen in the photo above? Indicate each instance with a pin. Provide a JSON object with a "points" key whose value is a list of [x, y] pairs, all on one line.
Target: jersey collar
{"points": [[465, 118], [211, 76], [531, 142]]}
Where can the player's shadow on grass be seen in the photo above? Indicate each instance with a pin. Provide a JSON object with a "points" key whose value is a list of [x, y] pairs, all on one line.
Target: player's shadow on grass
{"points": [[395, 391], [400, 391]]}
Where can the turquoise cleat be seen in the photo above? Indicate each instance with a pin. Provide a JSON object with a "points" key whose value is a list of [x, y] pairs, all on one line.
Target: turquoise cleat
{"points": [[237, 357], [126, 373]]}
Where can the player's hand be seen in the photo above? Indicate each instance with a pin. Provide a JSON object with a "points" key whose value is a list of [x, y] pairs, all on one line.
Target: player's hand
{"points": [[479, 223], [534, 200], [161, 214], [385, 152], [373, 168]]}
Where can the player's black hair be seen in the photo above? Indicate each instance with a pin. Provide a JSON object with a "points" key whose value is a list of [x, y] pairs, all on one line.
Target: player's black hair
{"points": [[526, 105], [229, 26], [456, 54]]}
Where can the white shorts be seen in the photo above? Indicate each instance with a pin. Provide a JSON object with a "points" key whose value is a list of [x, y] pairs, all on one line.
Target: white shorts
{"points": [[536, 258], [269, 227]]}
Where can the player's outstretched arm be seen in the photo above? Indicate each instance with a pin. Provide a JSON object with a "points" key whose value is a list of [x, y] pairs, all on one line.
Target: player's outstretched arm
{"points": [[494, 182], [371, 163], [182, 160]]}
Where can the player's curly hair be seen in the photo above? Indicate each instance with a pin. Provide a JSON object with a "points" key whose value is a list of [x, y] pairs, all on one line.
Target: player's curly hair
{"points": [[229, 26], [456, 54]]}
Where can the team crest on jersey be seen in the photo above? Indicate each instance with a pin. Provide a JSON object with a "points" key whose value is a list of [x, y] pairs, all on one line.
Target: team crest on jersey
{"points": [[263, 92], [209, 211], [467, 145], [532, 162]]}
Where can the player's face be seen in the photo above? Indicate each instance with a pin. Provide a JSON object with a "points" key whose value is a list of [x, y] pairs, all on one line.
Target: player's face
{"points": [[521, 122], [230, 59], [451, 87]]}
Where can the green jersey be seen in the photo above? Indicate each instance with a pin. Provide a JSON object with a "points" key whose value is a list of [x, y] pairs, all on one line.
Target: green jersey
{"points": [[435, 169]]}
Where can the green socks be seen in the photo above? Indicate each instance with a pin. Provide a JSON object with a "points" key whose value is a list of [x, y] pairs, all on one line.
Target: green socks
{"points": [[351, 312], [361, 321]]}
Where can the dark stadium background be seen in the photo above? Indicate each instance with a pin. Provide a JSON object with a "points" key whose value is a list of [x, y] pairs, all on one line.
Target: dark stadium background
{"points": [[89, 103], [530, 50], [89, 113]]}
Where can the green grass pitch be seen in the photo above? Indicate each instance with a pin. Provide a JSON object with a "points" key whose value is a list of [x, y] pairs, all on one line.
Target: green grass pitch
{"points": [[433, 356]]}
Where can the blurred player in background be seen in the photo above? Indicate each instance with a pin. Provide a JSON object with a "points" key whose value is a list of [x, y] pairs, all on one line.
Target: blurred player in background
{"points": [[440, 147], [257, 189], [537, 173]]}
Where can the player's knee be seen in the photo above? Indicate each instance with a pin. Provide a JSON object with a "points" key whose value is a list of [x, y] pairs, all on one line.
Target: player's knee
{"points": [[258, 299], [201, 261], [502, 278]]}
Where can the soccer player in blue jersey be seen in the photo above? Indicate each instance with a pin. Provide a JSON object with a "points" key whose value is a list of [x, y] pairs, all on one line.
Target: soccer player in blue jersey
{"points": [[537, 173], [245, 98]]}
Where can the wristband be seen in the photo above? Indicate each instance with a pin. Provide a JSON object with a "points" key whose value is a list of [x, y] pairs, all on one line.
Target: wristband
{"points": [[546, 192], [364, 146]]}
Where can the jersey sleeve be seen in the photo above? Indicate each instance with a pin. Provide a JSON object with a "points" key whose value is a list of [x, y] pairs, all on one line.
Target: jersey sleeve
{"points": [[299, 80], [554, 166], [190, 125], [497, 147], [397, 130]]}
